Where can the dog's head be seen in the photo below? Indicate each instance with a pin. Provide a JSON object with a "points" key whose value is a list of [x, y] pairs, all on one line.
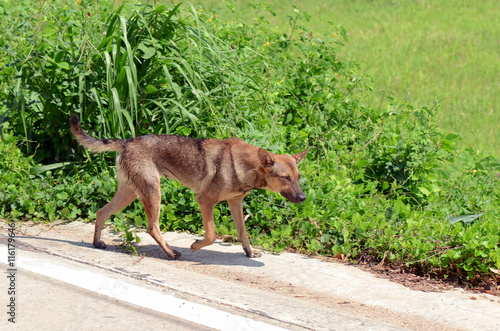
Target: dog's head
{"points": [[282, 174]]}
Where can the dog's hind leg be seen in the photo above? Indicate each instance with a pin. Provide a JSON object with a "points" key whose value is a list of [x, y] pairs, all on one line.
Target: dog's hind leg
{"points": [[236, 207], [207, 213], [151, 200], [123, 197]]}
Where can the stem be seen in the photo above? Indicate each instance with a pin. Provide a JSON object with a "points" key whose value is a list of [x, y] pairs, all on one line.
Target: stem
{"points": [[438, 253]]}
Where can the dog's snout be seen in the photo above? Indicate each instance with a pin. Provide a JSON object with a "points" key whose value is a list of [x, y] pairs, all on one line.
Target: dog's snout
{"points": [[298, 197], [301, 197]]}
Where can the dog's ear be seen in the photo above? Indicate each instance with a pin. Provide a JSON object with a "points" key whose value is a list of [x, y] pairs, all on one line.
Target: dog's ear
{"points": [[266, 159], [300, 156]]}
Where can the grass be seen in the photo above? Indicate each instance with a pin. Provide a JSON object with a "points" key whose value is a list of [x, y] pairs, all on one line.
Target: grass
{"points": [[419, 50]]}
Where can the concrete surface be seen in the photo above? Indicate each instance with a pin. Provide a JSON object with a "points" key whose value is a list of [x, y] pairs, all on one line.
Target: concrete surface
{"points": [[48, 304], [287, 290]]}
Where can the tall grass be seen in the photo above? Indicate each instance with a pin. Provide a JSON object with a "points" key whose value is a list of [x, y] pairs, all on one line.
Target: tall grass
{"points": [[126, 72], [421, 50]]}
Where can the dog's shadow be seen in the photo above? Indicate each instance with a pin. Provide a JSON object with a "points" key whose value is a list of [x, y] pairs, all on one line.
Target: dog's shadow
{"points": [[205, 256]]}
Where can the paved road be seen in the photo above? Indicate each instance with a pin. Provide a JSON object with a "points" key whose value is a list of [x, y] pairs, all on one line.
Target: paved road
{"points": [[44, 303], [62, 282], [49, 292]]}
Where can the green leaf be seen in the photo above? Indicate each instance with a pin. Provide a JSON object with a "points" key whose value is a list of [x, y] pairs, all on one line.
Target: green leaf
{"points": [[149, 52], [59, 56], [361, 163], [151, 89], [447, 145], [464, 218], [44, 168], [160, 8], [46, 28], [389, 232], [424, 191], [63, 65], [325, 238], [493, 242], [388, 214], [453, 254]]}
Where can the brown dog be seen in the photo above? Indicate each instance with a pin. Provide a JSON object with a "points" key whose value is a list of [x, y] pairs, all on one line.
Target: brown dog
{"points": [[214, 169]]}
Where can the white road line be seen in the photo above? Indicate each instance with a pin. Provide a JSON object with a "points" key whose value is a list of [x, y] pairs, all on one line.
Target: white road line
{"points": [[139, 296]]}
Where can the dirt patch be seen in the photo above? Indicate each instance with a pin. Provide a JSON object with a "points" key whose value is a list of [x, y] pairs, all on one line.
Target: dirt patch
{"points": [[433, 281], [429, 283]]}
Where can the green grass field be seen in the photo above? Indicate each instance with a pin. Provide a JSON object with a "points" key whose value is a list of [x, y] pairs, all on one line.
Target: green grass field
{"points": [[423, 50]]}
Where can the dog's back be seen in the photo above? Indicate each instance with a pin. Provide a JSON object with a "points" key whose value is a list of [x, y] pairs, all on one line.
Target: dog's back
{"points": [[199, 164]]}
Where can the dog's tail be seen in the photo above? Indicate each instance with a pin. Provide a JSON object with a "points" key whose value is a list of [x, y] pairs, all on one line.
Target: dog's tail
{"points": [[91, 143]]}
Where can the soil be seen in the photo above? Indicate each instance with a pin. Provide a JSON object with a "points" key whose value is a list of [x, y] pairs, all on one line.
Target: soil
{"points": [[412, 278], [431, 282]]}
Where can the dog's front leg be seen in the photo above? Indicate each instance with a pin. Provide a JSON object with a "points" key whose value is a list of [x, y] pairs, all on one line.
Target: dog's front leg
{"points": [[236, 207], [207, 213]]}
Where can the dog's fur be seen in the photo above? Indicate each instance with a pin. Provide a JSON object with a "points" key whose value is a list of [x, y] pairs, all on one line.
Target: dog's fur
{"points": [[214, 169]]}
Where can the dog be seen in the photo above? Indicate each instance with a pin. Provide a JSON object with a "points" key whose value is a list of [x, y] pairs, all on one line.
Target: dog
{"points": [[215, 169]]}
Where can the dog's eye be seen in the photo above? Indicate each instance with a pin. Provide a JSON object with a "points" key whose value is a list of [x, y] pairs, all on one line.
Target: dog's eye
{"points": [[285, 178]]}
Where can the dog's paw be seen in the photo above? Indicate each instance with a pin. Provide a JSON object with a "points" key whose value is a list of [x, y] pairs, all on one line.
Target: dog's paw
{"points": [[252, 253], [99, 244], [256, 253], [174, 255], [194, 245]]}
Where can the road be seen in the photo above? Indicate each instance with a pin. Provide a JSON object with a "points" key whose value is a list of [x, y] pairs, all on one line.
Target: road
{"points": [[62, 282], [48, 304]]}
